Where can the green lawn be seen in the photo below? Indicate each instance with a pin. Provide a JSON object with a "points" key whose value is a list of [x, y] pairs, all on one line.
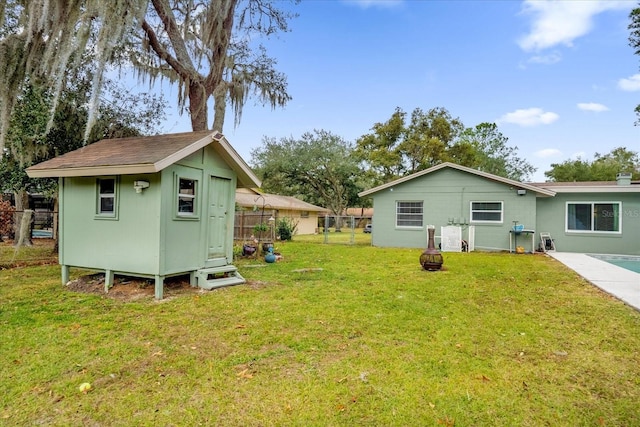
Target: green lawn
{"points": [[332, 335]]}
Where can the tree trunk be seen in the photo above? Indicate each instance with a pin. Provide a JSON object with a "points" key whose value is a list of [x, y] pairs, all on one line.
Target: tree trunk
{"points": [[219, 107], [22, 203], [26, 223], [198, 106]]}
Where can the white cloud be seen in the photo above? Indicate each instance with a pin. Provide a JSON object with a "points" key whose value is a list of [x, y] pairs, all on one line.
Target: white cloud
{"points": [[529, 117], [365, 4], [592, 106], [561, 22], [630, 84], [551, 58], [548, 152]]}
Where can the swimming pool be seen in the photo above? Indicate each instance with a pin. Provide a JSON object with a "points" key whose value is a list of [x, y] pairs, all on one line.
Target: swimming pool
{"points": [[629, 262]]}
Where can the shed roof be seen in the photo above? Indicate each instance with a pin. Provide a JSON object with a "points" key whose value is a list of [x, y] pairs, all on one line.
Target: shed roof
{"points": [[148, 154], [274, 201], [492, 177]]}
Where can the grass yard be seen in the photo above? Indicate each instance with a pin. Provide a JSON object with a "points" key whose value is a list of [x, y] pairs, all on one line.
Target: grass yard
{"points": [[40, 252], [333, 335]]}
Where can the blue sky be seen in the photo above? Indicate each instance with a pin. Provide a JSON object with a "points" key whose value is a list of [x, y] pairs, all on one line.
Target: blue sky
{"points": [[559, 78]]}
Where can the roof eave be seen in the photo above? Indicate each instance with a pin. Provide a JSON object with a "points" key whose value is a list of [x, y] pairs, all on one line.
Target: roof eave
{"points": [[540, 191], [92, 171], [597, 189], [246, 177]]}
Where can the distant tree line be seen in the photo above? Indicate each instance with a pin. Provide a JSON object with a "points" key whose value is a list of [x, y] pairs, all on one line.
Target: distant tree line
{"points": [[326, 170]]}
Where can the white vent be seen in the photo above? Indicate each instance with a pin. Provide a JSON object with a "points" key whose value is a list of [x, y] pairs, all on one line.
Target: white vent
{"points": [[624, 178]]}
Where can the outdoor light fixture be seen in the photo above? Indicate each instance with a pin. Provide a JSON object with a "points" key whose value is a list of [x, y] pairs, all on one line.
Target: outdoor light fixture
{"points": [[140, 185], [522, 192]]}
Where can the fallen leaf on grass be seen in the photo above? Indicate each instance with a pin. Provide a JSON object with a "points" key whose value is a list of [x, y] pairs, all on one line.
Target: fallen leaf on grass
{"points": [[245, 374]]}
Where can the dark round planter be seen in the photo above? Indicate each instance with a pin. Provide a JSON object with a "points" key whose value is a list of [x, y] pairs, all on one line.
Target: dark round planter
{"points": [[248, 250]]}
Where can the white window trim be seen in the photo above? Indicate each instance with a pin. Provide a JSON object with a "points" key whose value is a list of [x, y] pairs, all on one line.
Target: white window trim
{"points": [[100, 196], [592, 203], [485, 221], [409, 227], [195, 197]]}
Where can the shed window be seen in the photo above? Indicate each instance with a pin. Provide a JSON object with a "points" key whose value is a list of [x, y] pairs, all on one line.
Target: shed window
{"points": [[409, 214], [486, 212], [593, 217], [106, 196], [186, 197], [304, 214]]}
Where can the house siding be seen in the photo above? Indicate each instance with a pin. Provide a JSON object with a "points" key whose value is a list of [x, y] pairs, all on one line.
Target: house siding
{"points": [[447, 195], [308, 225], [552, 219], [129, 242]]}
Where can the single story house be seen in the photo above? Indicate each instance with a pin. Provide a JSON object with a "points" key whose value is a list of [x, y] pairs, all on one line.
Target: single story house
{"points": [[152, 207], [589, 217], [304, 214], [361, 216]]}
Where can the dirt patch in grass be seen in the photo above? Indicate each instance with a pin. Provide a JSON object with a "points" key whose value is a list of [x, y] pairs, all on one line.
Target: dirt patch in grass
{"points": [[126, 288], [131, 288]]}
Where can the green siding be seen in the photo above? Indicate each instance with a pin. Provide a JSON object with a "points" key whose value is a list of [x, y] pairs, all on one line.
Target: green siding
{"points": [[129, 242], [182, 238], [448, 193], [552, 218]]}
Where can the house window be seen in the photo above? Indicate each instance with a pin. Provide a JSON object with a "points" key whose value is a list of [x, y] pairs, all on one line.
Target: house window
{"points": [[409, 214], [594, 217], [486, 212], [186, 197], [106, 197], [304, 214]]}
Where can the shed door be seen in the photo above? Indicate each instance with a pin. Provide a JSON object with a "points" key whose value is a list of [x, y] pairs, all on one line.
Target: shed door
{"points": [[219, 189]]}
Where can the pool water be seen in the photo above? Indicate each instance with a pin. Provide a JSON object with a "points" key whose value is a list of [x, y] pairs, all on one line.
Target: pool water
{"points": [[630, 263]]}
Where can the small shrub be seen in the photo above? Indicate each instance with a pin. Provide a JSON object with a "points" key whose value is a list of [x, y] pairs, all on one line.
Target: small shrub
{"points": [[286, 228], [260, 228]]}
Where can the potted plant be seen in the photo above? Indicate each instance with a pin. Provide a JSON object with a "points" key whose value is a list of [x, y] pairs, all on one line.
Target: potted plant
{"points": [[259, 229]]}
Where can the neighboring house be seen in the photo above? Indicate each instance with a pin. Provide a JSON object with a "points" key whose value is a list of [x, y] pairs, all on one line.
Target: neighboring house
{"points": [[152, 207], [361, 216], [580, 217], [304, 214]]}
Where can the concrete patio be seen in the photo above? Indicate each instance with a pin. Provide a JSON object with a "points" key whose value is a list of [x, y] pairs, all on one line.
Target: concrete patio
{"points": [[617, 281]]}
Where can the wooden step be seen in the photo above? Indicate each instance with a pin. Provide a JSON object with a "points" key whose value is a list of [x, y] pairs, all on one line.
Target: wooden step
{"points": [[217, 277], [218, 270]]}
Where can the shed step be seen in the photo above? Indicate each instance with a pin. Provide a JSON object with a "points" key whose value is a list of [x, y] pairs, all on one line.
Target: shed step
{"points": [[218, 270], [217, 277]]}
